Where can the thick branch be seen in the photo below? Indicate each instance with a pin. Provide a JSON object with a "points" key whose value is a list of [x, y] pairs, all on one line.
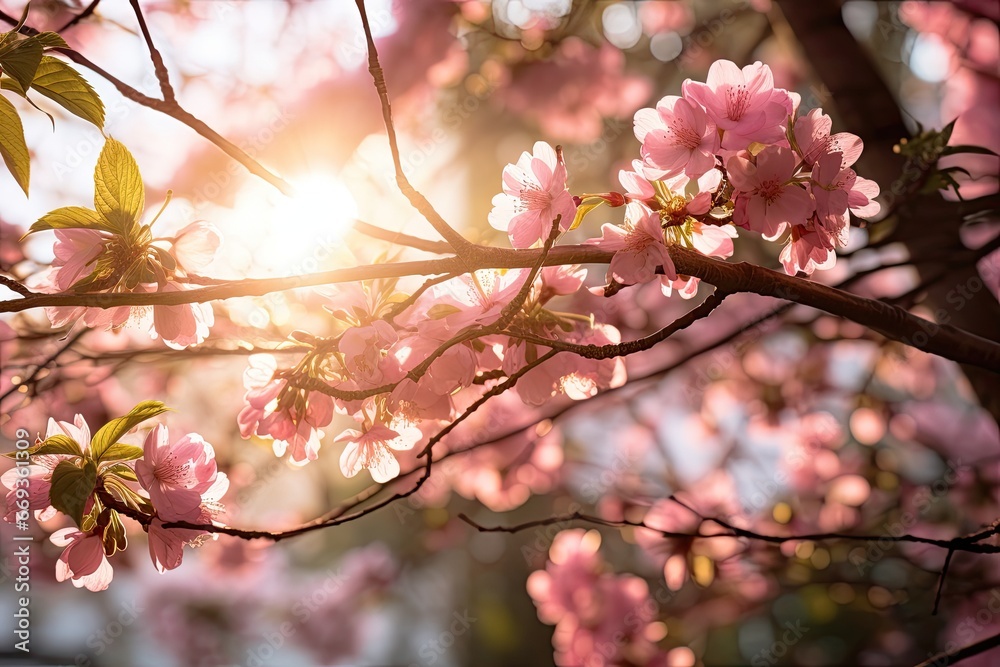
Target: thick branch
{"points": [[890, 321]]}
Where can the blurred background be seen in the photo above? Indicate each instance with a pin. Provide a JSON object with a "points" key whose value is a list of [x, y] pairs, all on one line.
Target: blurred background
{"points": [[804, 423]]}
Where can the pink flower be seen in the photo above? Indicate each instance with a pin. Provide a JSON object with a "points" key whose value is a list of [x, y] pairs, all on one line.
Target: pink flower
{"points": [[82, 560], [366, 355], [371, 449], [744, 103], [812, 134], [639, 247], [767, 199], [677, 138], [39, 473], [560, 281], [75, 252], [709, 240], [534, 194], [837, 189], [195, 245], [475, 298], [808, 249], [166, 545], [184, 325], [176, 476], [291, 417]]}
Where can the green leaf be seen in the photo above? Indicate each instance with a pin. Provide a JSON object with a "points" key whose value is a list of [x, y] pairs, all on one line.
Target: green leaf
{"points": [[112, 432], [7, 83], [63, 85], [71, 487], [122, 452], [51, 40], [60, 444], [13, 148], [70, 217], [122, 471], [19, 60], [120, 490], [118, 191]]}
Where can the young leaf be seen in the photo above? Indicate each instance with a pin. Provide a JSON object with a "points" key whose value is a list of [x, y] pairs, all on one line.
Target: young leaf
{"points": [[111, 432], [19, 60], [13, 148], [71, 487], [122, 452], [63, 85], [60, 444], [70, 217], [118, 191], [51, 40], [121, 470]]}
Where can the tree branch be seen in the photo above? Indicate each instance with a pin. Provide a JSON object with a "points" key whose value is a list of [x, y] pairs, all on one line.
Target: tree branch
{"points": [[954, 544], [172, 109], [460, 244], [892, 322]]}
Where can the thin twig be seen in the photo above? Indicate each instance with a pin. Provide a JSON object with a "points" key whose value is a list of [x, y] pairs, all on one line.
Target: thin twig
{"points": [[162, 76], [417, 200]]}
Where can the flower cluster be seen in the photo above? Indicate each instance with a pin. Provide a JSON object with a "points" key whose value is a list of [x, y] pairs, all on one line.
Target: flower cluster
{"points": [[108, 251], [418, 371], [601, 618], [95, 480], [726, 154]]}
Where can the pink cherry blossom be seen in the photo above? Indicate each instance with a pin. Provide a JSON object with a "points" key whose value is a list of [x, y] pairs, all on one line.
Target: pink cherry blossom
{"points": [[744, 103], [767, 199], [808, 249], [39, 473], [166, 545], [677, 138], [366, 354], [639, 247], [176, 475], [709, 240], [290, 416], [195, 245], [837, 189], [75, 252], [372, 449], [534, 194], [184, 325], [83, 560], [812, 134]]}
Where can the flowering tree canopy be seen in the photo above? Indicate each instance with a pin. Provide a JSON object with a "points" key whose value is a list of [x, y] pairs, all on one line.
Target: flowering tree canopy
{"points": [[720, 340]]}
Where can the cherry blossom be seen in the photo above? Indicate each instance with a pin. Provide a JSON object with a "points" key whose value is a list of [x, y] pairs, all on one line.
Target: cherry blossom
{"points": [[372, 449], [639, 247], [83, 560], [743, 103], [291, 417], [534, 195], [177, 475], [677, 138], [767, 198]]}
